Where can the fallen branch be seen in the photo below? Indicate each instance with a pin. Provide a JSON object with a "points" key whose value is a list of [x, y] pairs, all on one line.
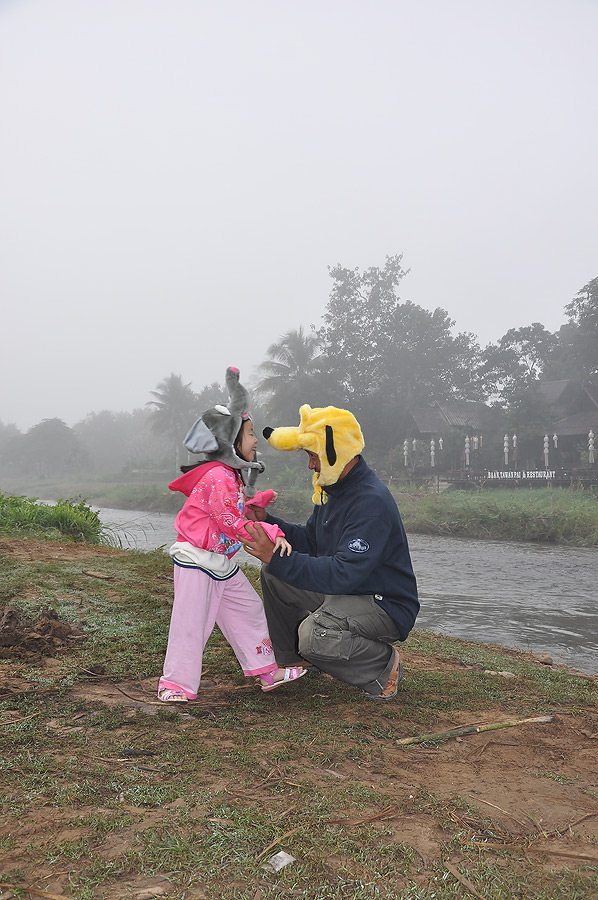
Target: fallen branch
{"points": [[464, 881], [35, 892], [278, 840], [16, 721], [488, 845], [479, 800], [472, 729]]}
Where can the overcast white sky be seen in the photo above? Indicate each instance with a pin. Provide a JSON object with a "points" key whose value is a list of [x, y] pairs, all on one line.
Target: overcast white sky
{"points": [[177, 175]]}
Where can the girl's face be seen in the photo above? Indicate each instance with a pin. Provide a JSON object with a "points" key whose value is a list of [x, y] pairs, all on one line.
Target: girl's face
{"points": [[247, 441]]}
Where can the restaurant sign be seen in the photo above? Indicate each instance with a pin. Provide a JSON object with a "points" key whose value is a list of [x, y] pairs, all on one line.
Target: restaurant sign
{"points": [[531, 475]]}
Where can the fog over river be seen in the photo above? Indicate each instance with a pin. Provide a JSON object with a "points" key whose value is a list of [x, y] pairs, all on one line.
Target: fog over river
{"points": [[529, 596]]}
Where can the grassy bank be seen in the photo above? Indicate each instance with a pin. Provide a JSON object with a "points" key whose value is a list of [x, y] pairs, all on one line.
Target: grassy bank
{"points": [[108, 794], [72, 519], [542, 514], [552, 515]]}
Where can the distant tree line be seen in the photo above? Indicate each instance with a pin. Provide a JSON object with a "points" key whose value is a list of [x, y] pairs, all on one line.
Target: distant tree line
{"points": [[374, 354]]}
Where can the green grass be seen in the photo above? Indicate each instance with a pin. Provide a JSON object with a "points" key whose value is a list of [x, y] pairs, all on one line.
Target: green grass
{"points": [[72, 519], [551, 515], [542, 514]]}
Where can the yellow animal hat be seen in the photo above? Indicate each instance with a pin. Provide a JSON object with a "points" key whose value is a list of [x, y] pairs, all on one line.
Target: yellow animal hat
{"points": [[333, 434]]}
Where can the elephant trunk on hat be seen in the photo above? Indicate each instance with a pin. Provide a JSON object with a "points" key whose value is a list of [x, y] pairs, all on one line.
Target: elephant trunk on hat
{"points": [[213, 435]]}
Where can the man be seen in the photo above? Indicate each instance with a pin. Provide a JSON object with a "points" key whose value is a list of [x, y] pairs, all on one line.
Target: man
{"points": [[347, 590]]}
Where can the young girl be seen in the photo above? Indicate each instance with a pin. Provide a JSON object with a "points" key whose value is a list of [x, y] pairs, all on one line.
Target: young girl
{"points": [[209, 587]]}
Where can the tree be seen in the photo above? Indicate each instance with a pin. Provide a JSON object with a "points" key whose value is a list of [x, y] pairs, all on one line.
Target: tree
{"points": [[122, 440], [292, 376], [209, 396], [48, 449], [174, 411], [578, 338], [387, 355], [517, 361]]}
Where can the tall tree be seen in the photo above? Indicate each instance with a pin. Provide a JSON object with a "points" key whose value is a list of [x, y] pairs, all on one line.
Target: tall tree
{"points": [[387, 355], [578, 353], [517, 361], [174, 410], [48, 449], [292, 376]]}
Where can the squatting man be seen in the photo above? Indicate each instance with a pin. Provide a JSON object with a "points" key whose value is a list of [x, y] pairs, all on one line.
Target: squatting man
{"points": [[346, 592]]}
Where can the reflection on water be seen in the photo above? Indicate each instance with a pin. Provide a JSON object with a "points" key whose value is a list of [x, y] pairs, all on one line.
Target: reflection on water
{"points": [[539, 598]]}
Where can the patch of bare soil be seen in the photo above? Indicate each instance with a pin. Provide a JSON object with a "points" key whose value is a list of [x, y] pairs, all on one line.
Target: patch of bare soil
{"points": [[46, 551], [22, 637]]}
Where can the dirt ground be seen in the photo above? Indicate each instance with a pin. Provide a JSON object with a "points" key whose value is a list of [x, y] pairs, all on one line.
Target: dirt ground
{"points": [[537, 783]]}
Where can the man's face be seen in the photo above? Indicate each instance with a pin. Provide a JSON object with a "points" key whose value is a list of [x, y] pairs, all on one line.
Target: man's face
{"points": [[313, 461]]}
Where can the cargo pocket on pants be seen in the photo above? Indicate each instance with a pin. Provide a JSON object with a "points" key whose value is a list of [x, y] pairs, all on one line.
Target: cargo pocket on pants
{"points": [[327, 639]]}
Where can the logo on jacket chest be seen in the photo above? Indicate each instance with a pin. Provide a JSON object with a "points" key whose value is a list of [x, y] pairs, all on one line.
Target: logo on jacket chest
{"points": [[358, 545]]}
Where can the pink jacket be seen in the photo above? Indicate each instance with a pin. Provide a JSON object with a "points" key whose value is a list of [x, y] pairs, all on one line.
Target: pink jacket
{"points": [[212, 517]]}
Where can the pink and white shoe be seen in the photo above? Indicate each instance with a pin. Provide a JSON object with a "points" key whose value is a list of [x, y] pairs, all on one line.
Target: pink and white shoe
{"points": [[172, 695], [291, 673]]}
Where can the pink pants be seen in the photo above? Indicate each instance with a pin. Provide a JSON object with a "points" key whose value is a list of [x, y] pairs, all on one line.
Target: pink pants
{"points": [[200, 602]]}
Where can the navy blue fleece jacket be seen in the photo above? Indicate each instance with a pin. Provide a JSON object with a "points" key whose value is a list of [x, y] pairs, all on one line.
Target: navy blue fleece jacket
{"points": [[353, 544]]}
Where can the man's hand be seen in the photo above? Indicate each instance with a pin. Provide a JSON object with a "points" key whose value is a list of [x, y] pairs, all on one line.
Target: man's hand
{"points": [[261, 547]]}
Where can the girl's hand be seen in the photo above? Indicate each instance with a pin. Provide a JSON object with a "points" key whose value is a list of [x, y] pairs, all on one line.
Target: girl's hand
{"points": [[274, 498], [283, 545]]}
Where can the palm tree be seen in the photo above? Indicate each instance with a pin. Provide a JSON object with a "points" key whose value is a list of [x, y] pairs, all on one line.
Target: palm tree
{"points": [[174, 411], [292, 375]]}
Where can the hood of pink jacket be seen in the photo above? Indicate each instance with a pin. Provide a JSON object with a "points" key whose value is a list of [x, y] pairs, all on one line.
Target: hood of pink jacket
{"points": [[185, 483]]}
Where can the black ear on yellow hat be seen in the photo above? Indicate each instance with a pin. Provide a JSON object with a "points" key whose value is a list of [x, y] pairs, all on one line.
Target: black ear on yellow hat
{"points": [[332, 434]]}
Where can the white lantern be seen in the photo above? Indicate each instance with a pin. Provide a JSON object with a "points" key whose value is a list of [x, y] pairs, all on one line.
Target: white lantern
{"points": [[505, 446], [546, 443], [591, 447], [467, 452], [432, 453], [555, 440], [406, 452]]}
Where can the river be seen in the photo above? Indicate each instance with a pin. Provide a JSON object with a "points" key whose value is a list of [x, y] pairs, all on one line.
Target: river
{"points": [[528, 596]]}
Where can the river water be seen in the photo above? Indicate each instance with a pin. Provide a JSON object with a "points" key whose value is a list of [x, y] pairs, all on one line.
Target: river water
{"points": [[532, 597]]}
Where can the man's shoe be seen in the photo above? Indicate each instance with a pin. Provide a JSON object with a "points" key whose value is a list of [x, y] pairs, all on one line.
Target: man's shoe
{"points": [[392, 685]]}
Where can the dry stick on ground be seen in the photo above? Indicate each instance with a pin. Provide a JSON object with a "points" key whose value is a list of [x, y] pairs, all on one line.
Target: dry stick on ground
{"points": [[379, 815], [464, 881], [278, 840], [14, 721], [569, 825], [472, 729], [487, 845], [519, 822], [35, 892]]}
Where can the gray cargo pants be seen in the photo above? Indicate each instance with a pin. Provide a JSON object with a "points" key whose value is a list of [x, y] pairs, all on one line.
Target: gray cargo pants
{"points": [[346, 635]]}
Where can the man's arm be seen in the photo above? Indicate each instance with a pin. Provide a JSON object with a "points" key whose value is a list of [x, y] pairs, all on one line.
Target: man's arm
{"points": [[360, 550]]}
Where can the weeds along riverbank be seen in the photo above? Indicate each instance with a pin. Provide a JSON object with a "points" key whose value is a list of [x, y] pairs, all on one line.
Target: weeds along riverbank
{"points": [[566, 516]]}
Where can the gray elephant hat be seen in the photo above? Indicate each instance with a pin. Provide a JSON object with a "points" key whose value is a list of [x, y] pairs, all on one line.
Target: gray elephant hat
{"points": [[213, 435]]}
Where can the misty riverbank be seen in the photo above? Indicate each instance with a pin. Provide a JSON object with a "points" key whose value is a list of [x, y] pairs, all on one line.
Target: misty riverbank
{"points": [[562, 516]]}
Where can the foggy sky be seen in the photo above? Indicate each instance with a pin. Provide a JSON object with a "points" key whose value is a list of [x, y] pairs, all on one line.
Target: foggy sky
{"points": [[177, 175]]}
